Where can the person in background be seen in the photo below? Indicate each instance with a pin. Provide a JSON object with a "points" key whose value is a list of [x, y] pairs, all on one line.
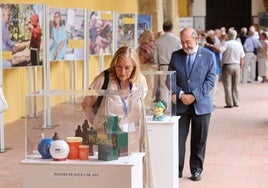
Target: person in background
{"points": [[147, 55], [165, 45], [249, 66], [232, 63], [195, 77], [59, 36], [210, 45], [223, 30], [125, 75], [202, 38], [159, 34], [262, 57], [257, 37], [243, 35], [217, 34]]}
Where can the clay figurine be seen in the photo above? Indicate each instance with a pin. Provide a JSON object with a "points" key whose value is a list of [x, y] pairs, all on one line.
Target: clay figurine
{"points": [[78, 131], [85, 128], [159, 109], [56, 137]]}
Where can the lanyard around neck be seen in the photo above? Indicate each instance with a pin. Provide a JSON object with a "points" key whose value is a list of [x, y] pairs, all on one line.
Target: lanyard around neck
{"points": [[125, 106]]}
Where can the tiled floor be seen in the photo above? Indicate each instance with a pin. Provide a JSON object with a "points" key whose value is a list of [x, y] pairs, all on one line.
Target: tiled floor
{"points": [[237, 150]]}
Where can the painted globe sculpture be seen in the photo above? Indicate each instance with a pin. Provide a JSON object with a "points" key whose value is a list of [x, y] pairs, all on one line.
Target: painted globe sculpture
{"points": [[43, 148], [59, 150]]}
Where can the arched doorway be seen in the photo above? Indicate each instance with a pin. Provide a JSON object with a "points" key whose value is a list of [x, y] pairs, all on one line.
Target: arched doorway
{"points": [[228, 13]]}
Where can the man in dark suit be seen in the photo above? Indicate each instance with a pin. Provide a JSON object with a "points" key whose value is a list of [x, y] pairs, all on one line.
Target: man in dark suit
{"points": [[191, 93]]}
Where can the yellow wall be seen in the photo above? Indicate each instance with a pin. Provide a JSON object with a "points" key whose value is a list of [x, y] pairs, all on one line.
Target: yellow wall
{"points": [[112, 5], [16, 80], [182, 8], [14, 86]]}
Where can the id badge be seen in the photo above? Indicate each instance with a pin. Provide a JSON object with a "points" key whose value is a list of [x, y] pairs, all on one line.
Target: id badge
{"points": [[128, 127]]}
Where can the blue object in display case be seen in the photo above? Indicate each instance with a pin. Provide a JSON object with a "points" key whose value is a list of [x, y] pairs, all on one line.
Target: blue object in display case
{"points": [[43, 148]]}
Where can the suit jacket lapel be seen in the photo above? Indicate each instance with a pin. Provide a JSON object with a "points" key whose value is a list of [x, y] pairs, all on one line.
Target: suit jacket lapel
{"points": [[184, 61], [185, 64], [196, 60]]}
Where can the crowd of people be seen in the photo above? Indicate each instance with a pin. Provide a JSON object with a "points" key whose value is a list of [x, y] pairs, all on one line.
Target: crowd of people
{"points": [[242, 58], [200, 60], [254, 43]]}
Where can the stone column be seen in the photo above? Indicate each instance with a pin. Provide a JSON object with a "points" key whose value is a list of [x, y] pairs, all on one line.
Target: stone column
{"points": [[190, 7], [171, 14], [155, 8]]}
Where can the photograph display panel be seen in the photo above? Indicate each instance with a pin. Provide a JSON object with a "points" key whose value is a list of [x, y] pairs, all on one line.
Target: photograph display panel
{"points": [[101, 27], [22, 38], [144, 23], [66, 34], [126, 28], [33, 33]]}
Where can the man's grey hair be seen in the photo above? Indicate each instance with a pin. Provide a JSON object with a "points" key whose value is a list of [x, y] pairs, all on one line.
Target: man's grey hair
{"points": [[232, 34], [244, 30]]}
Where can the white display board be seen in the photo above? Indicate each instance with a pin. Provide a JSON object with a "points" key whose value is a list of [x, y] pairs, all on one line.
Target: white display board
{"points": [[126, 172], [185, 22]]}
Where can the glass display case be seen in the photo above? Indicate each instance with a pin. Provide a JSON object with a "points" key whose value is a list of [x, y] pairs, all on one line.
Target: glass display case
{"points": [[159, 101], [111, 131]]}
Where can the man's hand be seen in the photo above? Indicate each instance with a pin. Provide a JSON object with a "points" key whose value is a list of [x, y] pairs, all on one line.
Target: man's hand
{"points": [[187, 99]]}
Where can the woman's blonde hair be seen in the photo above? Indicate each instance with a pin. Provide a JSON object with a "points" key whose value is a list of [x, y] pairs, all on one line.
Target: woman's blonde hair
{"points": [[126, 52], [146, 37]]}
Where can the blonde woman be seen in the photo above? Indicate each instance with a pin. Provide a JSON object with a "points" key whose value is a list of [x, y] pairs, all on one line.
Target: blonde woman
{"points": [[148, 61], [124, 75]]}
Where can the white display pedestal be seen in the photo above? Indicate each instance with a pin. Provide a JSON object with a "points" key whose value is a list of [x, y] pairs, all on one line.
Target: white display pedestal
{"points": [[163, 142], [126, 172]]}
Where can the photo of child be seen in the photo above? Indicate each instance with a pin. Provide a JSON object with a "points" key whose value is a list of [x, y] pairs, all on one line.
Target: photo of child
{"points": [[22, 35]]}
